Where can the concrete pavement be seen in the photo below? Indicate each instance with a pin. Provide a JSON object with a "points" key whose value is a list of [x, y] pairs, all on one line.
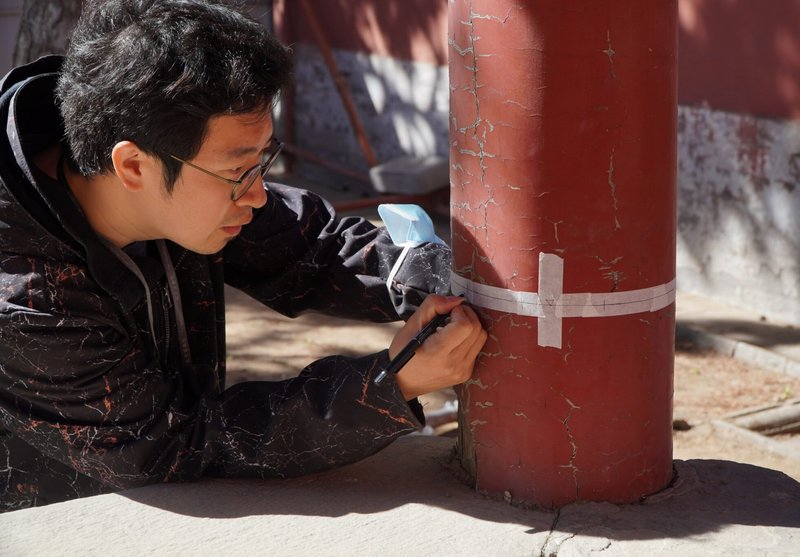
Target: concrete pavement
{"points": [[406, 501]]}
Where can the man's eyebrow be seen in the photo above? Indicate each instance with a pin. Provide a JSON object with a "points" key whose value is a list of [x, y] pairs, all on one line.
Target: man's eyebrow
{"points": [[238, 152]]}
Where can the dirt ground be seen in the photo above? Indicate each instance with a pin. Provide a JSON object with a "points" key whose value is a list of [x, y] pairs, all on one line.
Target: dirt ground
{"points": [[708, 386]]}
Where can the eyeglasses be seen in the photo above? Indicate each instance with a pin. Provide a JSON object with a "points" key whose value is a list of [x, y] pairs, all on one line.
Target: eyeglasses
{"points": [[248, 178]]}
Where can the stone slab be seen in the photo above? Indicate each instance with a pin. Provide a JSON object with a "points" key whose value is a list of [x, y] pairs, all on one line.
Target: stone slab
{"points": [[405, 500]]}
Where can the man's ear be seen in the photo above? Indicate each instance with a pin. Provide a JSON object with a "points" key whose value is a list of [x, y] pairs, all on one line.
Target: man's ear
{"points": [[134, 168]]}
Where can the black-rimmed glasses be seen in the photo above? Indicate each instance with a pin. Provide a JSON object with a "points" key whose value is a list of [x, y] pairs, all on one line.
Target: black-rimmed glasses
{"points": [[248, 178]]}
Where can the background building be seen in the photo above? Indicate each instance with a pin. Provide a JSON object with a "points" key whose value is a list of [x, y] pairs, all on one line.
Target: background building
{"points": [[738, 128]]}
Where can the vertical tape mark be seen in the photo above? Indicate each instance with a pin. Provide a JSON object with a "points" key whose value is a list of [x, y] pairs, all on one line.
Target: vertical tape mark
{"points": [[551, 305], [551, 289]]}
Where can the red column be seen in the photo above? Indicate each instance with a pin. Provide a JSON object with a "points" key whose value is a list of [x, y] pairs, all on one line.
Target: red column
{"points": [[563, 134]]}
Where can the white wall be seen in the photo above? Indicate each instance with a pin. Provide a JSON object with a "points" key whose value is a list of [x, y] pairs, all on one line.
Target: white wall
{"points": [[403, 105], [738, 229]]}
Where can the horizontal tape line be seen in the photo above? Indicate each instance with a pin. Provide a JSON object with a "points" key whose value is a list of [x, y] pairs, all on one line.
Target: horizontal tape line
{"points": [[602, 304]]}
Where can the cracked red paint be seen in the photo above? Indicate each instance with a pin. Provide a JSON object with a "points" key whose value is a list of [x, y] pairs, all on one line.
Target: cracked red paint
{"points": [[563, 142]]}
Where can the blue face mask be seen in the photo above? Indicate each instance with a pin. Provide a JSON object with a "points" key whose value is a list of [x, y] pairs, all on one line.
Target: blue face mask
{"points": [[409, 226]]}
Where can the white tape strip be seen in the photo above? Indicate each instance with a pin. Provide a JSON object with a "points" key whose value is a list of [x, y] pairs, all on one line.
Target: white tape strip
{"points": [[493, 297], [551, 305], [551, 290]]}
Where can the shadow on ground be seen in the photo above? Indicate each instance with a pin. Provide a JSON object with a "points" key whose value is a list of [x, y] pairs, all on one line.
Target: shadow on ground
{"points": [[762, 334], [707, 496]]}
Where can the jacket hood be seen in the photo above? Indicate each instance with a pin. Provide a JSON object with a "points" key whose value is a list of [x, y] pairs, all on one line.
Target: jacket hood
{"points": [[29, 112], [36, 212], [31, 123]]}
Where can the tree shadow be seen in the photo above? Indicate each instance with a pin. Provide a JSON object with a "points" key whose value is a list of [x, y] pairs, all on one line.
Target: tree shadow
{"points": [[761, 334], [409, 30], [393, 58]]}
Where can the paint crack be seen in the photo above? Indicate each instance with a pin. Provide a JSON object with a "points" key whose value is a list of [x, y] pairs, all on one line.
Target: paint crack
{"points": [[480, 140], [571, 438], [613, 186], [610, 52]]}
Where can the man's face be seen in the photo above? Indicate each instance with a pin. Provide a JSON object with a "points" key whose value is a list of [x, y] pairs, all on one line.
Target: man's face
{"points": [[199, 214]]}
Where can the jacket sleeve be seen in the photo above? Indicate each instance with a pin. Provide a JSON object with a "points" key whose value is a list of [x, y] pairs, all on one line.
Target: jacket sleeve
{"points": [[332, 414], [298, 255], [81, 392]]}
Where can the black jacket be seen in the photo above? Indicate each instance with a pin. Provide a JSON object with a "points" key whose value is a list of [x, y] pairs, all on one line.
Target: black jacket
{"points": [[96, 394]]}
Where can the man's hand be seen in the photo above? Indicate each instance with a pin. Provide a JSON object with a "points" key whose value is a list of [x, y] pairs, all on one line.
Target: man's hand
{"points": [[447, 357]]}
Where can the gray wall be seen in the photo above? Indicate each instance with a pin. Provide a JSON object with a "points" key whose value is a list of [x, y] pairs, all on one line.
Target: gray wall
{"points": [[739, 210], [403, 105], [10, 11]]}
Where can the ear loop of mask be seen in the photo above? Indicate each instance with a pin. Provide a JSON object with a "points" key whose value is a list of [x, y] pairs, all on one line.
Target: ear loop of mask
{"points": [[409, 226], [397, 265]]}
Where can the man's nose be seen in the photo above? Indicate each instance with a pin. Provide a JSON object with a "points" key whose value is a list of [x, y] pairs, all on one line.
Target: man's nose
{"points": [[255, 197]]}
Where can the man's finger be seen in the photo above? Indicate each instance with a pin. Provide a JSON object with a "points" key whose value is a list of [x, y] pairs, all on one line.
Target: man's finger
{"points": [[477, 327], [435, 305], [476, 346], [457, 332]]}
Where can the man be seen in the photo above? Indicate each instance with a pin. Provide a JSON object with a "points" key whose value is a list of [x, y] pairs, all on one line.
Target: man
{"points": [[130, 192]]}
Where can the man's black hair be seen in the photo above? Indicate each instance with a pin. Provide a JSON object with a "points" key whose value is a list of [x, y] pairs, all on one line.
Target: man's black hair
{"points": [[155, 71]]}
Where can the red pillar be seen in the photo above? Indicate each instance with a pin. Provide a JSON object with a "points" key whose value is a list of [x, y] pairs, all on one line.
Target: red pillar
{"points": [[563, 135]]}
